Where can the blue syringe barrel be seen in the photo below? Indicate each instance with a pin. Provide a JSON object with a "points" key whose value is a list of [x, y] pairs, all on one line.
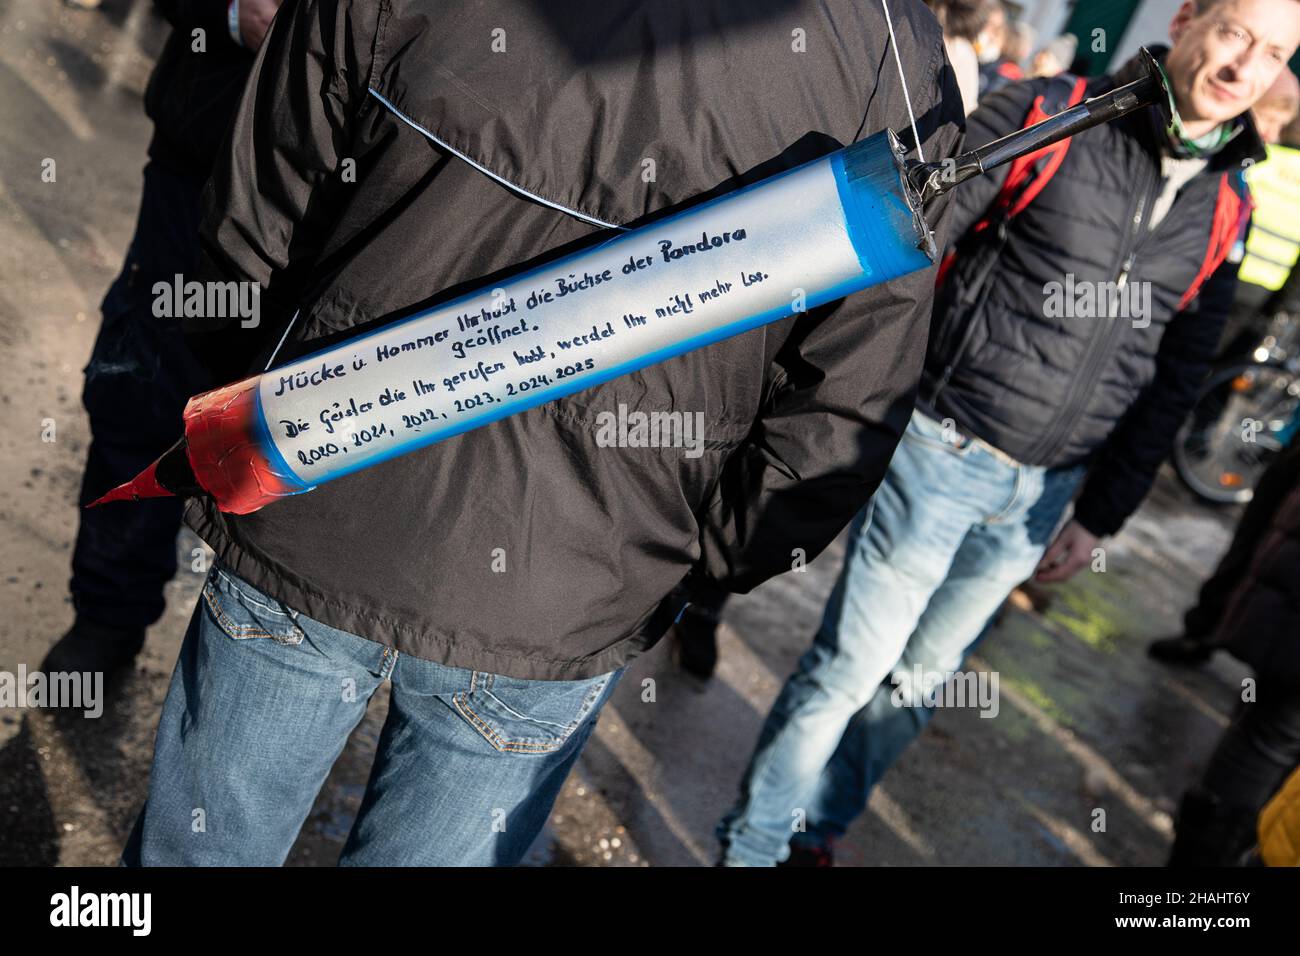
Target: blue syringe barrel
{"points": [[786, 244]]}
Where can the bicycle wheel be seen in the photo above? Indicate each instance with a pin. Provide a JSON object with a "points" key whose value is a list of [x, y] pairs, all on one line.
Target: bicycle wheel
{"points": [[1241, 419]]}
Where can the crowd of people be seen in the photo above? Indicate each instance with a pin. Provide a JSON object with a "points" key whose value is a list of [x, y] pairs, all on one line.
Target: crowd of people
{"points": [[969, 438]]}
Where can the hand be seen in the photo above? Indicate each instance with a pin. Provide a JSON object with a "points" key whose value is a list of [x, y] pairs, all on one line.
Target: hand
{"points": [[1071, 550], [255, 19]]}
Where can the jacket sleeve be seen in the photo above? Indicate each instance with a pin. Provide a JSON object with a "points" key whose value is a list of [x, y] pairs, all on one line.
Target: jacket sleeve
{"points": [[998, 114], [1127, 465], [841, 390], [276, 188]]}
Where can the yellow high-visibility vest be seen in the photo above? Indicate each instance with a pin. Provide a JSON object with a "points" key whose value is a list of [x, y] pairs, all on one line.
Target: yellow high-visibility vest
{"points": [[1279, 825], [1274, 243]]}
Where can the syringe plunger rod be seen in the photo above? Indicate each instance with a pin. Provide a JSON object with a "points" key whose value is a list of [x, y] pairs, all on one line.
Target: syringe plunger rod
{"points": [[934, 179]]}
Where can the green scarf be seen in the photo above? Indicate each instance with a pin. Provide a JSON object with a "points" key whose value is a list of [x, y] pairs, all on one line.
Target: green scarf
{"points": [[1185, 147]]}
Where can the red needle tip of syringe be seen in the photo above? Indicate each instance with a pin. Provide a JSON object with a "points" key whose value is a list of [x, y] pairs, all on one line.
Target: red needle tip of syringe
{"points": [[143, 485]]}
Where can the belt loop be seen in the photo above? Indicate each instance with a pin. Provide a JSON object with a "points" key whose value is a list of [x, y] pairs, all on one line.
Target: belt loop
{"points": [[388, 662]]}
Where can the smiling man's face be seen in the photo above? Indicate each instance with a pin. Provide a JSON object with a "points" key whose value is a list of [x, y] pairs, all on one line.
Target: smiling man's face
{"points": [[1224, 59]]}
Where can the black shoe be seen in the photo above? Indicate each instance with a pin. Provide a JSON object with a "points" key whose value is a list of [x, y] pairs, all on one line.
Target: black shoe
{"points": [[1211, 832], [695, 636], [801, 855], [1180, 650], [93, 647]]}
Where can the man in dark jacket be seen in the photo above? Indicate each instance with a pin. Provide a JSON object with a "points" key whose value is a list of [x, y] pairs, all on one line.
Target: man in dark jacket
{"points": [[1269, 284], [385, 154], [1259, 622], [140, 372], [1028, 387]]}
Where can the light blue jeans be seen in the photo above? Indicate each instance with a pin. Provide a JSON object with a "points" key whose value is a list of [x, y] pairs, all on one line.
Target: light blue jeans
{"points": [[262, 701], [951, 531]]}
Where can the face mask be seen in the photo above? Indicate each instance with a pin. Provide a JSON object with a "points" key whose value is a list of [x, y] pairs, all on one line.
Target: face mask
{"points": [[988, 49]]}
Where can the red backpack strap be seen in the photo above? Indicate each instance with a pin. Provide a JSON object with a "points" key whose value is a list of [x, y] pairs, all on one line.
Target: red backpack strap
{"points": [[1015, 195], [1019, 189], [1232, 207]]}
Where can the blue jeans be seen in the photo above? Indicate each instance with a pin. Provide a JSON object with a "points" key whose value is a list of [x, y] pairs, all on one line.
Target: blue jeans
{"points": [[951, 531], [262, 701]]}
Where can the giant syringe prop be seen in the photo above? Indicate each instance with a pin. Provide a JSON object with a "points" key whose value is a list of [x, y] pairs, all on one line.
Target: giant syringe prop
{"points": [[804, 237]]}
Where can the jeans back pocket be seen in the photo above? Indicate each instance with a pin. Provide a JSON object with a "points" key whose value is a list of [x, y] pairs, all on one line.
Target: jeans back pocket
{"points": [[529, 716], [243, 612]]}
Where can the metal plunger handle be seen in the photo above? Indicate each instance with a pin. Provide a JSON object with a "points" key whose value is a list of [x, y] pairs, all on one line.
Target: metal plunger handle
{"points": [[934, 179]]}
